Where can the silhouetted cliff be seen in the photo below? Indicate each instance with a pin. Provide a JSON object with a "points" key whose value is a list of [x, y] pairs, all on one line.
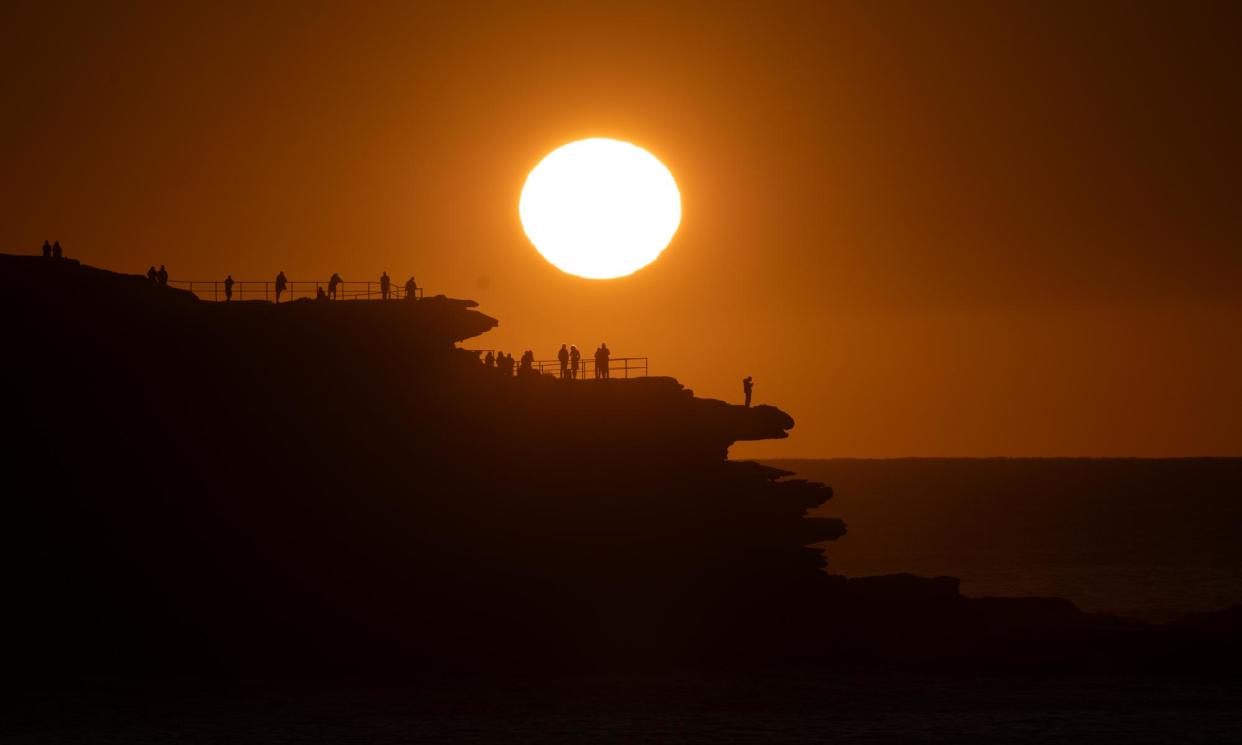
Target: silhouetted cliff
{"points": [[337, 485]]}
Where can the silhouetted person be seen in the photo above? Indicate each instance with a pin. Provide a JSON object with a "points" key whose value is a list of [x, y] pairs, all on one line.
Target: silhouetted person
{"points": [[153, 275], [411, 289], [528, 363], [601, 361], [488, 359], [334, 282], [575, 360], [385, 285], [162, 274], [56, 253], [563, 356], [281, 283], [228, 288], [47, 250], [748, 385], [320, 294]]}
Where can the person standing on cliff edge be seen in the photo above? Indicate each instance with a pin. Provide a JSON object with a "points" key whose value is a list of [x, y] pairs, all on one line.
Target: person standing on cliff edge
{"points": [[748, 385], [228, 289], [563, 357], [385, 285], [280, 284]]}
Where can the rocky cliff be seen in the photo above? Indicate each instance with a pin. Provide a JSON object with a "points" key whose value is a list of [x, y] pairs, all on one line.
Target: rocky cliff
{"points": [[339, 479], [337, 485]]}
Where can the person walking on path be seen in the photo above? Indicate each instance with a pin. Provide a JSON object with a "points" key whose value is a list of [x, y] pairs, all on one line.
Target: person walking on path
{"points": [[563, 357], [748, 385], [385, 285], [228, 288], [281, 282], [334, 282]]}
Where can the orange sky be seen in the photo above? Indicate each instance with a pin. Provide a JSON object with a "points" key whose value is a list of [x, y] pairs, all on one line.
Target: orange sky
{"points": [[925, 229]]}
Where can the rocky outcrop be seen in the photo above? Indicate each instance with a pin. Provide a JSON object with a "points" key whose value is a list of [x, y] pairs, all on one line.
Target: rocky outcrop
{"points": [[249, 481], [339, 486]]}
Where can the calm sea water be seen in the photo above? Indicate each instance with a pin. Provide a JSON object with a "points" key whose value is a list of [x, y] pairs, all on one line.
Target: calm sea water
{"points": [[1146, 538], [786, 707]]}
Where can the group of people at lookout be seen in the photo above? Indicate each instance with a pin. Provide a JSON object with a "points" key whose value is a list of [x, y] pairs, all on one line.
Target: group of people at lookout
{"points": [[569, 357], [281, 285], [335, 285]]}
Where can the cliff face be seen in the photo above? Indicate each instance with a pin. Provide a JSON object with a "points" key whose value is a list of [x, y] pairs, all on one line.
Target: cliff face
{"points": [[326, 486], [337, 482]]}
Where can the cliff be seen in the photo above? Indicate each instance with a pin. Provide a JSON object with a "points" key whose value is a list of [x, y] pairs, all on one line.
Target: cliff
{"points": [[337, 485], [250, 480]]}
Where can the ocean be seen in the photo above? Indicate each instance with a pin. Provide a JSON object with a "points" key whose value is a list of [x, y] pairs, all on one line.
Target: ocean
{"points": [[1151, 539]]}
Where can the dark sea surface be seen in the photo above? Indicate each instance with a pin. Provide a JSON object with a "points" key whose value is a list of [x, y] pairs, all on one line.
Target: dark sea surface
{"points": [[1145, 538], [785, 707]]}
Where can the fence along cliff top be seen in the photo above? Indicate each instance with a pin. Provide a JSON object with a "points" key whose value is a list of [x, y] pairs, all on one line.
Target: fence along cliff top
{"points": [[266, 289]]}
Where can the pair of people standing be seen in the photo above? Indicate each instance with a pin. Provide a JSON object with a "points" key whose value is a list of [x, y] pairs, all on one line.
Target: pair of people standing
{"points": [[570, 359], [411, 289], [602, 356], [52, 250], [160, 277]]}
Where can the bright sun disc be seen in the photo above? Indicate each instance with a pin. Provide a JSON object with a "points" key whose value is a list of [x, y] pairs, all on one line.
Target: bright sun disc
{"points": [[600, 208]]}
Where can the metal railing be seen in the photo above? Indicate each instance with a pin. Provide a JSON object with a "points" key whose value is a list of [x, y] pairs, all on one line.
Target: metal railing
{"points": [[213, 289], [618, 367]]}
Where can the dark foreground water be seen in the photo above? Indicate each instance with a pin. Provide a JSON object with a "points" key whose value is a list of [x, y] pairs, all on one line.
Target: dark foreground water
{"points": [[1151, 539], [777, 707]]}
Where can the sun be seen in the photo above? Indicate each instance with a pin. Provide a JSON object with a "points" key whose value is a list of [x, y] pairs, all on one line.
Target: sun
{"points": [[600, 208]]}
